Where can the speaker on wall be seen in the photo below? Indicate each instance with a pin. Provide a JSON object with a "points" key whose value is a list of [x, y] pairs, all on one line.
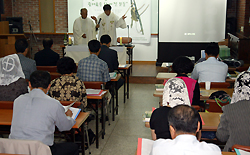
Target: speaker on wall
{"points": [[15, 24]]}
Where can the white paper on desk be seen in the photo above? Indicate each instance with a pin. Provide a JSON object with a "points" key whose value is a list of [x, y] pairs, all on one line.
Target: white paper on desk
{"points": [[241, 152], [144, 146], [75, 111], [93, 91], [122, 66], [113, 75]]}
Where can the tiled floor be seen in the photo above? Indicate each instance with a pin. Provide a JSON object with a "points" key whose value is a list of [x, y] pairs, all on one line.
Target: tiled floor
{"points": [[121, 136]]}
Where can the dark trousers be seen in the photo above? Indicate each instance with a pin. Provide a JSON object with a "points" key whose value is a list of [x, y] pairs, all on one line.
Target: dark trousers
{"points": [[67, 148]]}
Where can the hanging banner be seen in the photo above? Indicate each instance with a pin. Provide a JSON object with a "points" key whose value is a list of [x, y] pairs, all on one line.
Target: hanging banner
{"points": [[138, 14]]}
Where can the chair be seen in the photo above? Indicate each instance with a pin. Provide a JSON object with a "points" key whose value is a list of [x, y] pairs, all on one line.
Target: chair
{"points": [[214, 107], [29, 147], [47, 68], [216, 85], [93, 84], [242, 147], [125, 40], [54, 75], [6, 104]]}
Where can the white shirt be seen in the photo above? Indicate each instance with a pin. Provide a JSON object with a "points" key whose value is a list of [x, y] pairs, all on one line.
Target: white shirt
{"points": [[109, 24], [184, 145], [83, 26], [210, 70], [35, 116]]}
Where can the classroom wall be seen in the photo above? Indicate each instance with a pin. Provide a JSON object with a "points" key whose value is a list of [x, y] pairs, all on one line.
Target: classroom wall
{"points": [[29, 10]]}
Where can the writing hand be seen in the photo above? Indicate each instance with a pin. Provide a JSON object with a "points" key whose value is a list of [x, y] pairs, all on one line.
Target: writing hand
{"points": [[84, 35], [123, 17], [69, 113]]}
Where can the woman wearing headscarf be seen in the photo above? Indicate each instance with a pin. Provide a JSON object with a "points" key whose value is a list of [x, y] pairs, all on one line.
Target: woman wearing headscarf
{"points": [[12, 79], [235, 120], [175, 93], [68, 87]]}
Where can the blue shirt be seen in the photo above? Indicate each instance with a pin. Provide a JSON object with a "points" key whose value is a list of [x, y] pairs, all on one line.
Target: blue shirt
{"points": [[210, 70], [93, 69], [35, 116]]}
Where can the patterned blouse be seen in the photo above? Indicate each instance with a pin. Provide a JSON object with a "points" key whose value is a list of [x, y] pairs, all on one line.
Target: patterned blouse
{"points": [[68, 88]]}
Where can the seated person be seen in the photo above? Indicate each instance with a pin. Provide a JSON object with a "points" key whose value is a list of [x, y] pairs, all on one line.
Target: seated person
{"points": [[109, 56], [35, 116], [183, 125], [28, 65], [175, 93], [234, 121], [210, 70], [46, 57], [182, 66], [12, 81], [68, 87], [93, 68]]}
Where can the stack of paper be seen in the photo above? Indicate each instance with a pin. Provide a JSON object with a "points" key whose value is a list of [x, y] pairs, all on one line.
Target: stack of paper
{"points": [[144, 146], [75, 111], [94, 92]]}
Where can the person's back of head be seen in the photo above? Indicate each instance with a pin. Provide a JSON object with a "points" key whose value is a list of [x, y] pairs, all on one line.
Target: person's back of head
{"points": [[66, 65], [182, 65], [47, 43], [184, 120], [40, 79], [105, 39], [212, 49], [106, 7], [94, 46], [21, 45]]}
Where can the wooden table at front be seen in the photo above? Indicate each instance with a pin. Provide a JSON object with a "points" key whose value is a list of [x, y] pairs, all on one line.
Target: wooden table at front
{"points": [[125, 72], [102, 132], [6, 118]]}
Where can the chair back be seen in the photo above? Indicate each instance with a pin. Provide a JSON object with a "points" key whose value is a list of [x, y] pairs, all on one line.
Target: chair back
{"points": [[125, 40], [242, 147], [47, 68], [216, 85], [93, 84], [214, 107], [6, 104], [16, 146], [75, 105], [54, 75]]}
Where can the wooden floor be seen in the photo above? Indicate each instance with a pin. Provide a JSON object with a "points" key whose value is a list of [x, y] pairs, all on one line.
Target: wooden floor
{"points": [[145, 73]]}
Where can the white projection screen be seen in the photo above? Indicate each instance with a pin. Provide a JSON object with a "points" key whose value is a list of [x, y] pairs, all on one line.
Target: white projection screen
{"points": [[192, 20]]}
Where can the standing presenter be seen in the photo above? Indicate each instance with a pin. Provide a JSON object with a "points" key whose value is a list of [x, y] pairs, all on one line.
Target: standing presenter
{"points": [[109, 22], [84, 28]]}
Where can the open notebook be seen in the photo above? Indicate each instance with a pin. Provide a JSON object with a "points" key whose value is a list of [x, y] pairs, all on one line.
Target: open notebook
{"points": [[75, 111]]}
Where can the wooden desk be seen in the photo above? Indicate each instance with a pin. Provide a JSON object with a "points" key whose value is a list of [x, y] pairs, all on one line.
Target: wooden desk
{"points": [[98, 98], [130, 53], [163, 76], [125, 72], [6, 118], [211, 121], [114, 94]]}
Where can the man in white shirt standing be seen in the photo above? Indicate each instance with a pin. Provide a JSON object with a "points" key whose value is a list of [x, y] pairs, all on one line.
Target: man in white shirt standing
{"points": [[84, 28], [183, 125], [210, 70], [109, 23]]}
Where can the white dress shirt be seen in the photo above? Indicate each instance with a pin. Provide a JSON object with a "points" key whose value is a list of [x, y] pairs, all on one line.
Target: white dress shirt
{"points": [[185, 144], [35, 116], [210, 70]]}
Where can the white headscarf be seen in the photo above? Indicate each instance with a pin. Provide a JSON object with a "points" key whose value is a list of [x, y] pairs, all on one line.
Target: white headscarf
{"points": [[241, 87], [10, 69], [175, 93]]}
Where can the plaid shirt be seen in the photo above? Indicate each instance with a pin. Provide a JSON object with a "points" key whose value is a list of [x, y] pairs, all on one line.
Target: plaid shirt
{"points": [[93, 69]]}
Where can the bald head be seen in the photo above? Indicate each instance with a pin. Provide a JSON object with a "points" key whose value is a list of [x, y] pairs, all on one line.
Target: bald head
{"points": [[84, 13]]}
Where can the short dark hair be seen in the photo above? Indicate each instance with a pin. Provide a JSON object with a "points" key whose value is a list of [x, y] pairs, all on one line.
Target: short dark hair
{"points": [[106, 7], [21, 45], [94, 46], [184, 118], [47, 42], [183, 64], [40, 79], [66, 65], [105, 39], [212, 49]]}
